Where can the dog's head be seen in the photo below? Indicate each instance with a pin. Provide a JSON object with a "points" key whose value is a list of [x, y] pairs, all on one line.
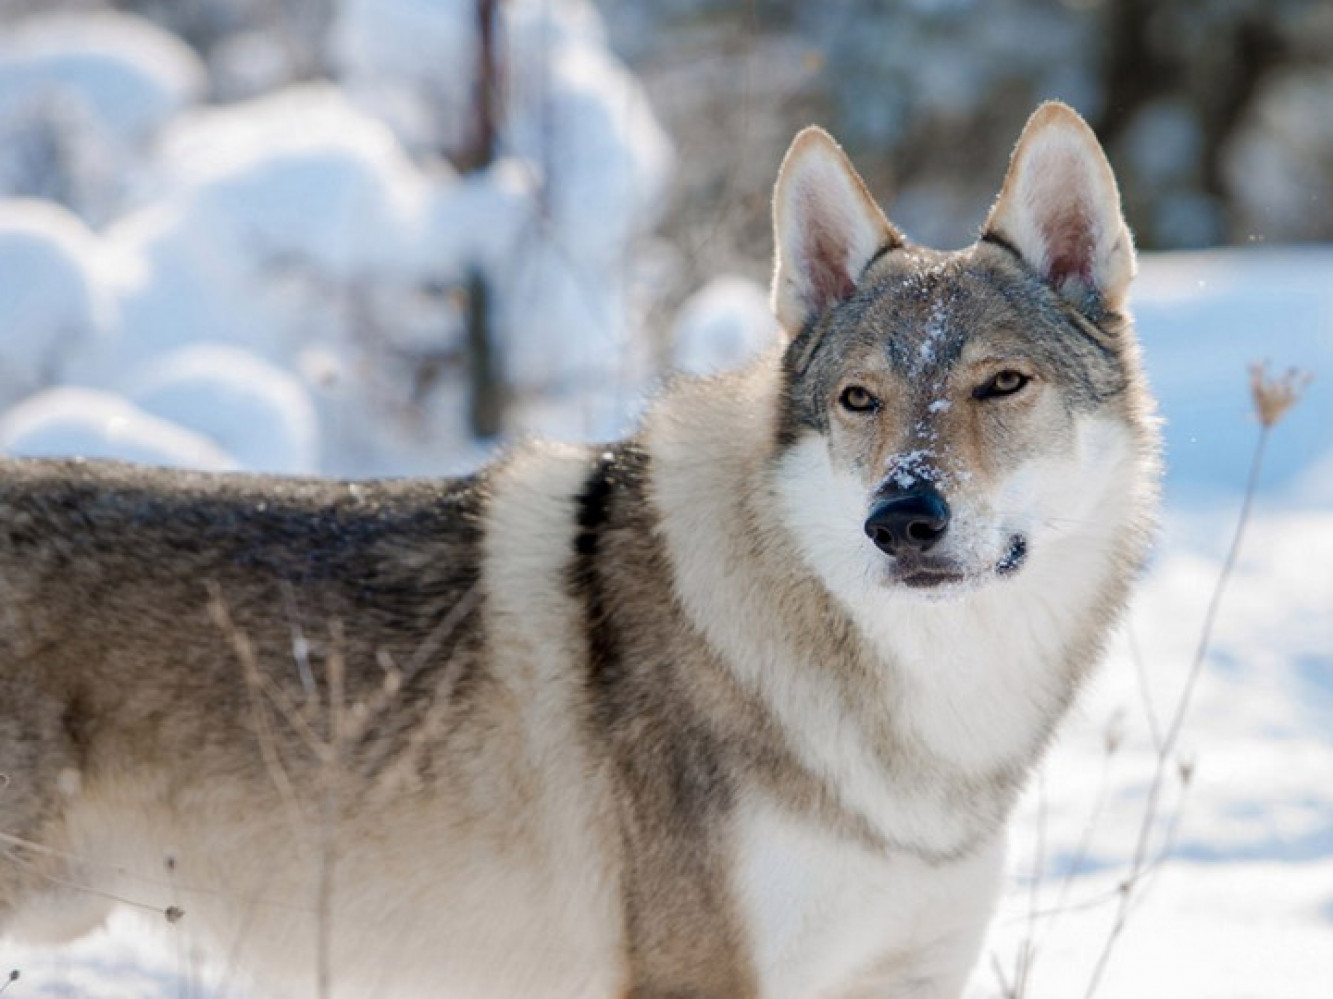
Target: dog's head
{"points": [[947, 418]]}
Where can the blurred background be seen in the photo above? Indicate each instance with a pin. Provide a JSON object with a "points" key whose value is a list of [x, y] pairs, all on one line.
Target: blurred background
{"points": [[370, 237], [387, 230]]}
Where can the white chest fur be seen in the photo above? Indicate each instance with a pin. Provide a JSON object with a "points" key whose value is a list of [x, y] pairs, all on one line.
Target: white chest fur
{"points": [[828, 918]]}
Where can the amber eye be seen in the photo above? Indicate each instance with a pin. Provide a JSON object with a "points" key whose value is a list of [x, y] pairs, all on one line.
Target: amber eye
{"points": [[1007, 382], [857, 399]]}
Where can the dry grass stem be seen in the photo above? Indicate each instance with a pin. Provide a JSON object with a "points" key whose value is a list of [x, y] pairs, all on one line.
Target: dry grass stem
{"points": [[1272, 398], [329, 727]]}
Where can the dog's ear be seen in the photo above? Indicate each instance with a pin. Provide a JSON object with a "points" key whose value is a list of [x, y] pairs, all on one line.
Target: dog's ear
{"points": [[826, 228], [1060, 209]]}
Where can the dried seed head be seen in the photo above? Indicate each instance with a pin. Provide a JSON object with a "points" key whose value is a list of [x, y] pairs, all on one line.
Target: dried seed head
{"points": [[1114, 734], [1273, 395], [1185, 767]]}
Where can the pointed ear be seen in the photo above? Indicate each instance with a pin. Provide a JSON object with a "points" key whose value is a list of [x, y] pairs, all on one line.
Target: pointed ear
{"points": [[1060, 209], [826, 228]]}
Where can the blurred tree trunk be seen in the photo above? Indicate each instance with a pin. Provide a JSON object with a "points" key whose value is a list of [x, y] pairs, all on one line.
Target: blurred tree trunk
{"points": [[1135, 73], [489, 388], [1254, 49], [1152, 54]]}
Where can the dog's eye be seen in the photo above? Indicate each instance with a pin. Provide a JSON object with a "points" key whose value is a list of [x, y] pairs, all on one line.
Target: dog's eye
{"points": [[857, 399], [1007, 382]]}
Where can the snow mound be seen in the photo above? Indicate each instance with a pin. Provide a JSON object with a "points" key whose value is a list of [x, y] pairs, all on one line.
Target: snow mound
{"points": [[724, 324], [50, 300], [128, 74], [481, 221], [392, 55], [300, 174], [571, 109], [580, 173], [287, 219], [257, 413], [81, 97], [414, 61], [606, 160], [89, 423]]}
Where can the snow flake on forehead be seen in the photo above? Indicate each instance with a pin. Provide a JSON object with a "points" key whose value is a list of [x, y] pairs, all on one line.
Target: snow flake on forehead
{"points": [[929, 320], [933, 335]]}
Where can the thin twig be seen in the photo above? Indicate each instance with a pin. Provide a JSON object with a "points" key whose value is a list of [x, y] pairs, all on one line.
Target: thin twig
{"points": [[1027, 952], [331, 774], [55, 879], [1006, 990], [1172, 735], [1145, 693], [1084, 842], [255, 685]]}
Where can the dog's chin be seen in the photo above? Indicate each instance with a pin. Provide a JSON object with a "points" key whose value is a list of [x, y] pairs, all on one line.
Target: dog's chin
{"points": [[940, 579]]}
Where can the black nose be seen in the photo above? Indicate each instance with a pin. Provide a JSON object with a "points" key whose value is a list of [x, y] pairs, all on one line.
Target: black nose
{"points": [[908, 522]]}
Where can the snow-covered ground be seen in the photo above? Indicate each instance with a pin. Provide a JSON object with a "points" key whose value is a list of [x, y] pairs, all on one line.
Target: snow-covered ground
{"points": [[1243, 904]]}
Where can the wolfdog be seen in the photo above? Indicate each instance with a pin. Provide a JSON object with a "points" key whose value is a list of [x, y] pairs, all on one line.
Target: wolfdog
{"points": [[737, 706]]}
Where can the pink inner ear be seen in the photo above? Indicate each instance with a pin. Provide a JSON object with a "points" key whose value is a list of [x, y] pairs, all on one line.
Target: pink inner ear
{"points": [[1069, 245], [826, 267]]}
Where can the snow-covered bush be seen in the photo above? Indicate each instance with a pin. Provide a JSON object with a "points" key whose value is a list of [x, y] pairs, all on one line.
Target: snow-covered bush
{"points": [[89, 423], [577, 173], [81, 99], [724, 324], [304, 248], [52, 299], [256, 412]]}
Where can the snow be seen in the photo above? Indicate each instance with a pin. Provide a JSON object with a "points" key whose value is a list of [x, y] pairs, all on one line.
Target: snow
{"points": [[1205, 317], [415, 61], [51, 301], [582, 172], [722, 325], [87, 423], [606, 161], [258, 413], [129, 75], [908, 468], [81, 98], [1243, 904], [1254, 850], [297, 174], [399, 56]]}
